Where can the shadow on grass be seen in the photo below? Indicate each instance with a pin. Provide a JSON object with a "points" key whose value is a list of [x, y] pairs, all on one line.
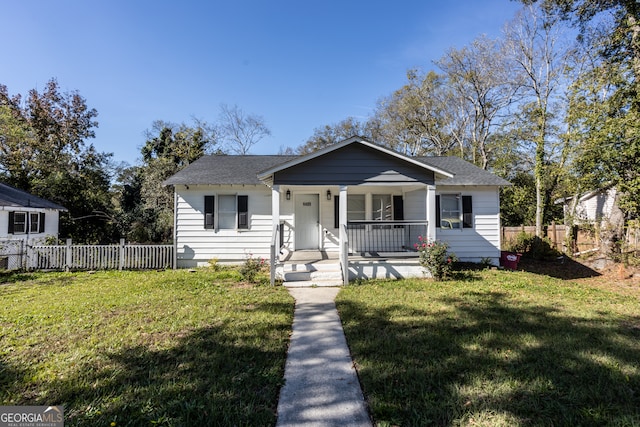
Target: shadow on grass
{"points": [[488, 362], [564, 268], [7, 277], [218, 375]]}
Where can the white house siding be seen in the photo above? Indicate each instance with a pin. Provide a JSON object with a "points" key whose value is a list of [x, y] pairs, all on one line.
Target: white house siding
{"points": [[51, 224], [483, 240], [197, 245], [596, 206]]}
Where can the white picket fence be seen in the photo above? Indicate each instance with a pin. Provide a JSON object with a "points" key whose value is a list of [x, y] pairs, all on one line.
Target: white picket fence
{"points": [[91, 257]]}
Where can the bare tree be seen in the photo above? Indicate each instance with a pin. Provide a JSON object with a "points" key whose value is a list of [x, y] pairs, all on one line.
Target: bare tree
{"points": [[532, 44], [240, 131], [486, 86]]}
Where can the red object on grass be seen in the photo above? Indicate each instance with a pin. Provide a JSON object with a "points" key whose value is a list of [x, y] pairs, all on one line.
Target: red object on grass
{"points": [[509, 260]]}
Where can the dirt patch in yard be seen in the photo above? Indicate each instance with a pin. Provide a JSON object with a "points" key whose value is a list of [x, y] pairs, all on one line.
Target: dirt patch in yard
{"points": [[592, 271]]}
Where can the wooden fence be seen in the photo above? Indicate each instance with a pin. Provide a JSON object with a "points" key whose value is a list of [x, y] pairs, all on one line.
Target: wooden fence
{"points": [[584, 239], [91, 257]]}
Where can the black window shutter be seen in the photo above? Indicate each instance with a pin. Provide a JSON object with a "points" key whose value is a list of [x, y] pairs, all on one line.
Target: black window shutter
{"points": [[12, 221], [243, 211], [398, 208], [41, 223], [336, 211], [467, 212], [438, 212], [209, 205]]}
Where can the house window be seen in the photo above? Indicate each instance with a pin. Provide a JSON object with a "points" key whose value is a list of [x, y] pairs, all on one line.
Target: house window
{"points": [[381, 207], [229, 213], [19, 222], [34, 223], [384, 207], [454, 211], [356, 207], [23, 222]]}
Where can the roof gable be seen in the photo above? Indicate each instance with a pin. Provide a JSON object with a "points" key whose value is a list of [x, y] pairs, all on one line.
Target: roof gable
{"points": [[352, 164], [353, 151]]}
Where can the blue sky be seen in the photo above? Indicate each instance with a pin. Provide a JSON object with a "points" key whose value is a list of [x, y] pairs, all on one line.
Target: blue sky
{"points": [[300, 65]]}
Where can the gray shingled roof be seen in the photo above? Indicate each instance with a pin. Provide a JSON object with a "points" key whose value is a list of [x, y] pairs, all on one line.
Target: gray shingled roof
{"points": [[244, 170], [465, 173], [226, 170], [13, 197]]}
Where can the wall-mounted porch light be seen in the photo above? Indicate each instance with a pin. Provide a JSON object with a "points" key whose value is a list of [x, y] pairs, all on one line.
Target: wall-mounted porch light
{"points": [[328, 194], [288, 194]]}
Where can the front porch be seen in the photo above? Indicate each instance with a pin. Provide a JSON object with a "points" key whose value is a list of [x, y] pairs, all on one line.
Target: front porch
{"points": [[322, 268]]}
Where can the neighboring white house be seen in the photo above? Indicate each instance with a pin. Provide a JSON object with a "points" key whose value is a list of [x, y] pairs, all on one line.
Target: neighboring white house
{"points": [[351, 198], [597, 206], [25, 217]]}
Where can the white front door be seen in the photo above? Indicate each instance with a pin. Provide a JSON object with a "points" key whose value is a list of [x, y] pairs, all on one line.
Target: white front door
{"points": [[307, 221]]}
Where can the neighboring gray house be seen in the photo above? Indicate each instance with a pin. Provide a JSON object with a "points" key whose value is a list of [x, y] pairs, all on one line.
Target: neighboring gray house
{"points": [[26, 217], [356, 202]]}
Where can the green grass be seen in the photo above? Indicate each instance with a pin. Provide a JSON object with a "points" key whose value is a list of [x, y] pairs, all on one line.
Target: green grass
{"points": [[494, 348], [144, 348]]}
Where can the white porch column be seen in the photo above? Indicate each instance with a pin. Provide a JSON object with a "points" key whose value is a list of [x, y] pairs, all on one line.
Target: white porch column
{"points": [[275, 221], [431, 212], [342, 232]]}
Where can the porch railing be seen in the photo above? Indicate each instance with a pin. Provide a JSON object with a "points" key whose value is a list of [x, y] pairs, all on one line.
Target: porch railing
{"points": [[273, 252], [384, 236]]}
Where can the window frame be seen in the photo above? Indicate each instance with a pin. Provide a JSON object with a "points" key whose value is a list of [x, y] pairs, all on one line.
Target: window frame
{"points": [[24, 223], [465, 217], [213, 213]]}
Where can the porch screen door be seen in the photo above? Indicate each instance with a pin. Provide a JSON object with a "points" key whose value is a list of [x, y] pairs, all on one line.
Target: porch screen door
{"points": [[306, 221]]}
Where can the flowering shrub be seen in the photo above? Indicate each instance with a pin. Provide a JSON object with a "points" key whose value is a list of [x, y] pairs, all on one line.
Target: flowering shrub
{"points": [[435, 258], [251, 267]]}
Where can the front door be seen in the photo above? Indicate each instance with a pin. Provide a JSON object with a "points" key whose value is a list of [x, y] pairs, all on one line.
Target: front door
{"points": [[307, 221]]}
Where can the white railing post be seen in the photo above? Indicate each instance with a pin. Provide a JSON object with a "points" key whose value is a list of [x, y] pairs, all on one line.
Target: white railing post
{"points": [[344, 238], [67, 257]]}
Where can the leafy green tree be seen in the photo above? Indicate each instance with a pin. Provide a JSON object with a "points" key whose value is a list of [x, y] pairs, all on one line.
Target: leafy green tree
{"points": [[604, 112], [45, 151], [331, 134], [169, 148]]}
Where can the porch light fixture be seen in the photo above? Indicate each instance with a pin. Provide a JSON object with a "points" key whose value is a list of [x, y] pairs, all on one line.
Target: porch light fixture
{"points": [[328, 194], [288, 194]]}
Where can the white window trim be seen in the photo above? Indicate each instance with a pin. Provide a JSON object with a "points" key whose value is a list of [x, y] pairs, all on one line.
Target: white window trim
{"points": [[458, 197], [25, 222]]}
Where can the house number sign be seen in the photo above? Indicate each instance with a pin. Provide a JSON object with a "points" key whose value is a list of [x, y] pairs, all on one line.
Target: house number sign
{"points": [[306, 204]]}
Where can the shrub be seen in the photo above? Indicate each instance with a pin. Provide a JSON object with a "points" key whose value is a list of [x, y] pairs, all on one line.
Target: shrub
{"points": [[251, 267], [435, 258], [531, 246]]}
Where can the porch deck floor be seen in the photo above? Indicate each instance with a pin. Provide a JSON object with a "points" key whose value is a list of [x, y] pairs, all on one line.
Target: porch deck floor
{"points": [[312, 256]]}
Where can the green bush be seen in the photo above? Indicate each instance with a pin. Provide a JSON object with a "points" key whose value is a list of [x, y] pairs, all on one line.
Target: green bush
{"points": [[435, 258], [531, 246], [251, 267]]}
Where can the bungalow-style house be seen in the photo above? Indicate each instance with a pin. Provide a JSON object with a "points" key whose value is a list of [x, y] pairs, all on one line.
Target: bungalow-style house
{"points": [[26, 217], [355, 205]]}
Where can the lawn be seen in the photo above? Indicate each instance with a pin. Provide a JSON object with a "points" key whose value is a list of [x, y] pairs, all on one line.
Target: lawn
{"points": [[173, 348], [495, 348]]}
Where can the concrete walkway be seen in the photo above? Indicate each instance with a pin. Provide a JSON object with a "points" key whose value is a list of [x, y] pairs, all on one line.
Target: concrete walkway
{"points": [[321, 386]]}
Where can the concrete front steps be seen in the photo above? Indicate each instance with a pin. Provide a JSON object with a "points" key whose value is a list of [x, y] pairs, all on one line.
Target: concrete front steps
{"points": [[298, 275], [328, 272]]}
